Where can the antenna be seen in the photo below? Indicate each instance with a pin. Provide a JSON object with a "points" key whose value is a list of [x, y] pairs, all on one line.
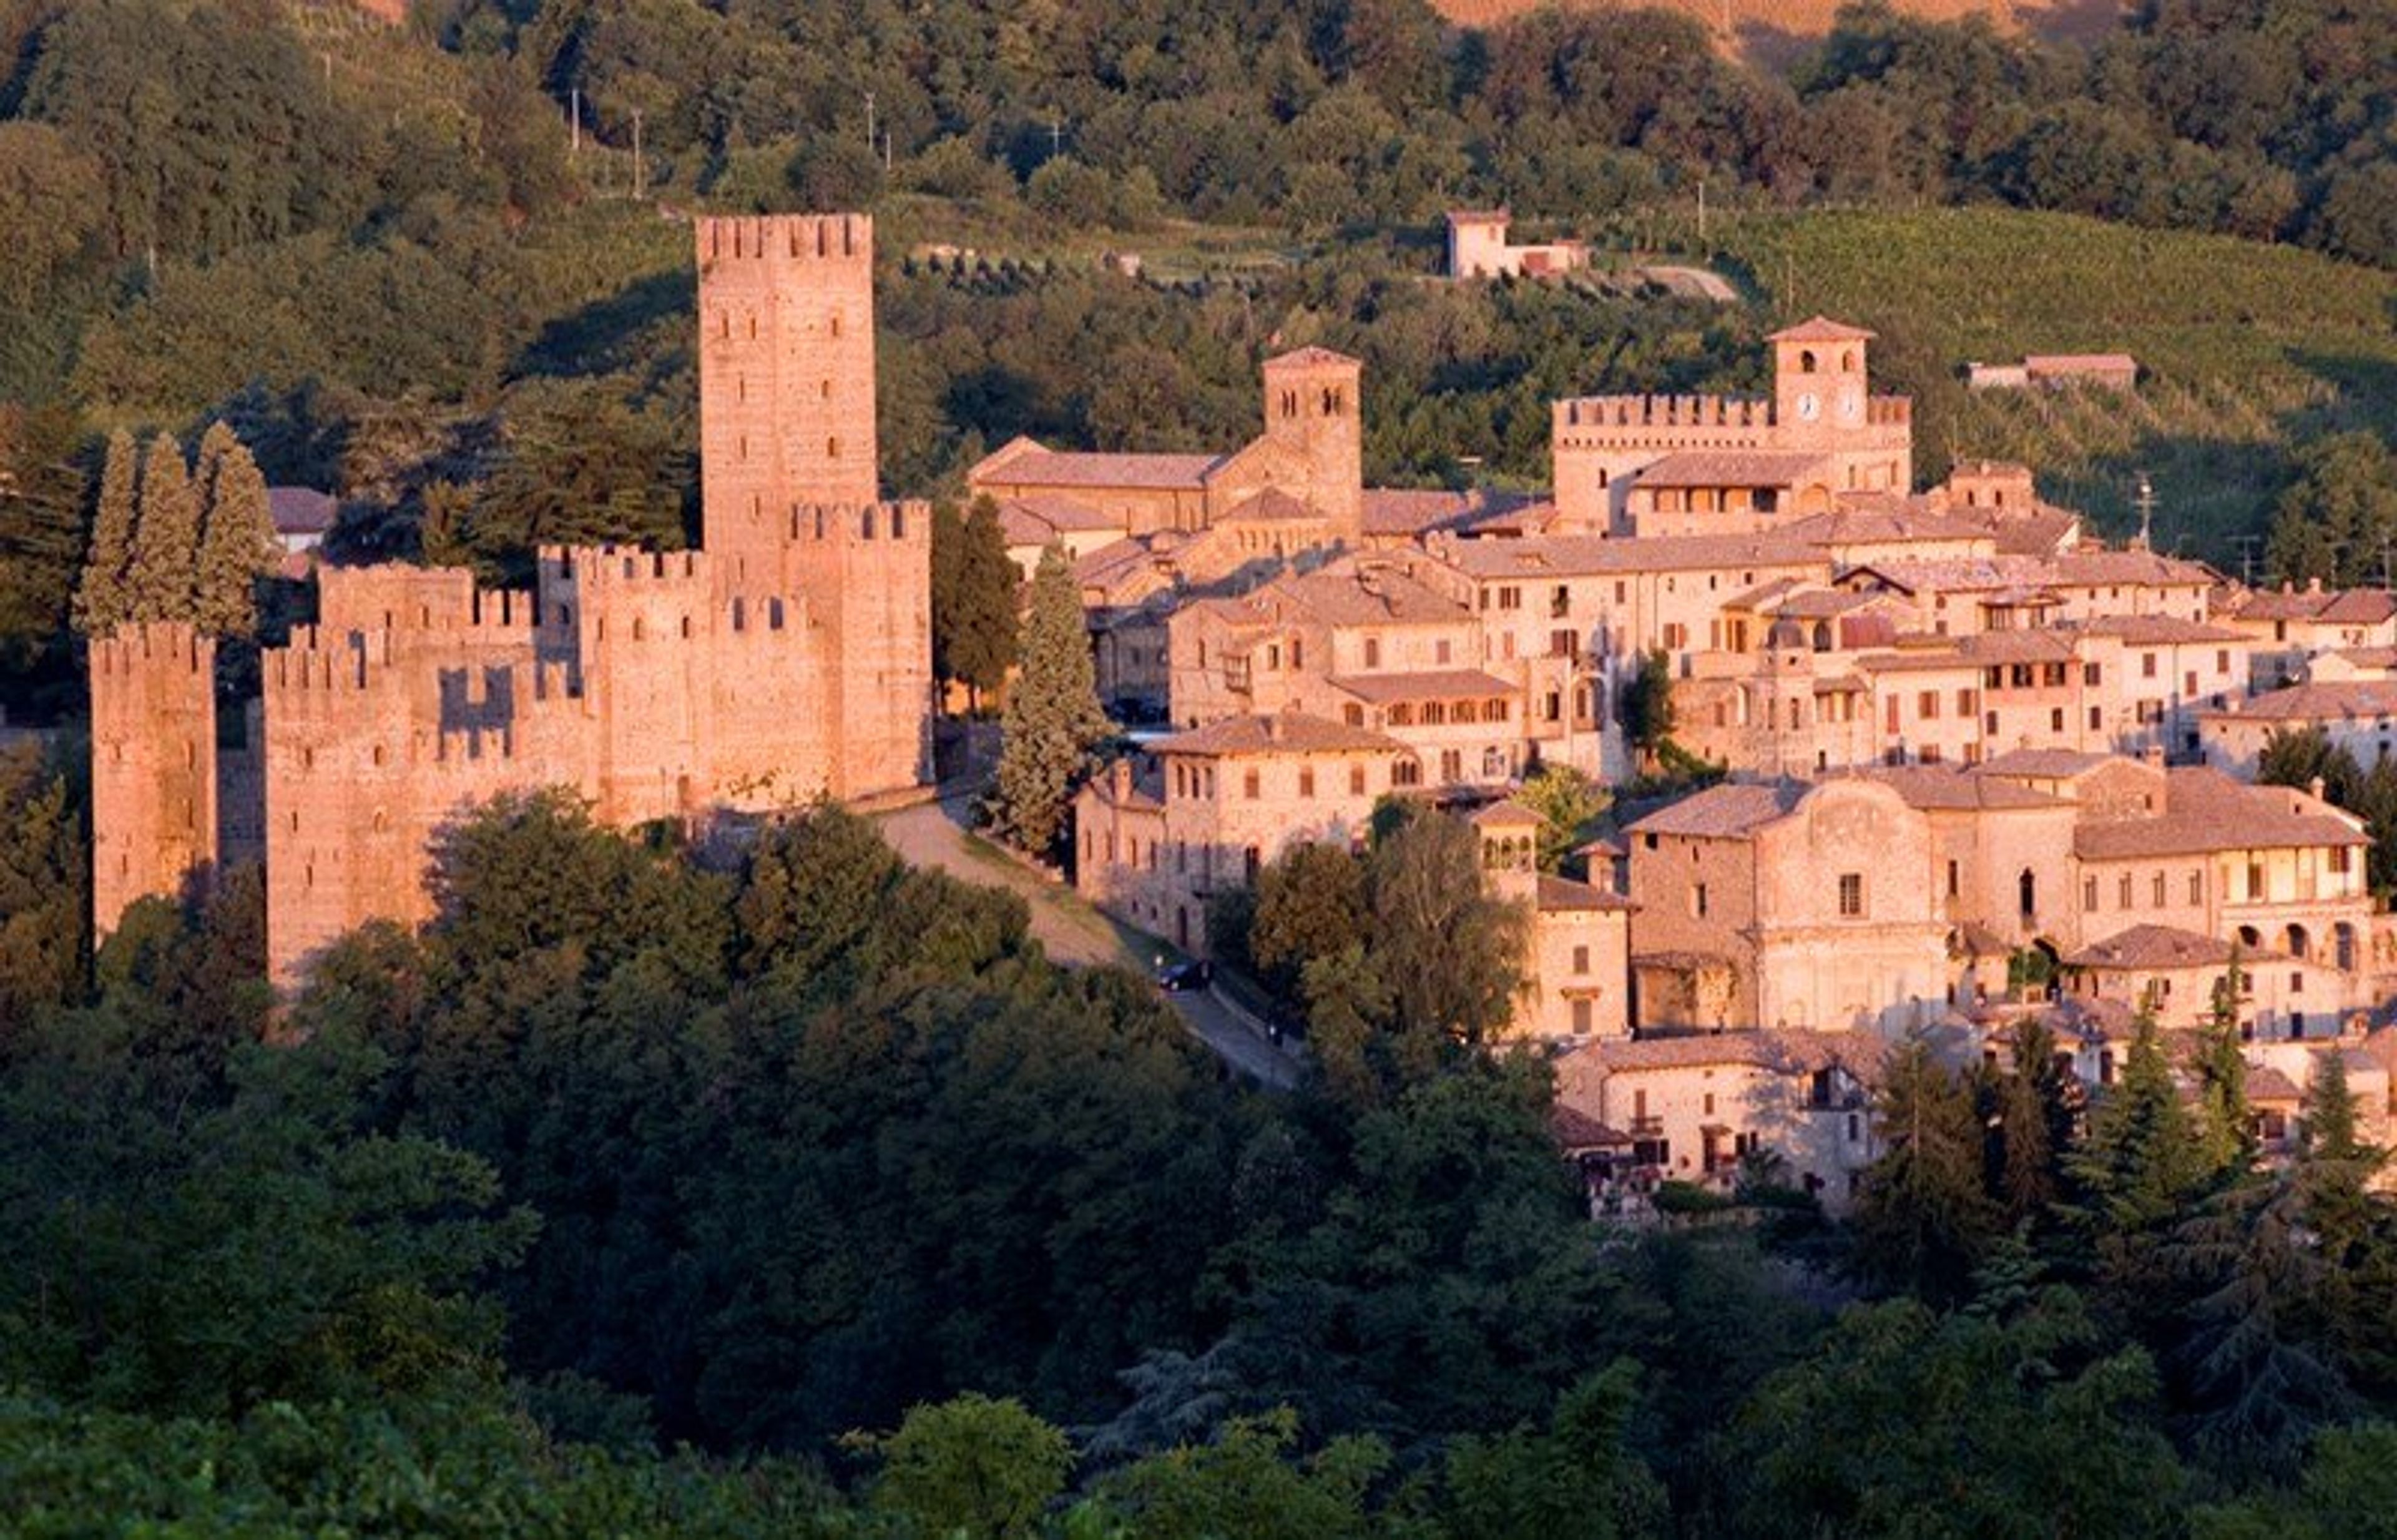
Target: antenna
{"points": [[2247, 547], [2146, 504]]}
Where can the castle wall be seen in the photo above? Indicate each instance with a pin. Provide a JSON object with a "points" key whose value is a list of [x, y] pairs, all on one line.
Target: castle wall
{"points": [[154, 764]]}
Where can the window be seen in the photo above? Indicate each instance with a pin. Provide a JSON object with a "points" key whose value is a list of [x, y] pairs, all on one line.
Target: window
{"points": [[2146, 665], [2254, 881], [1306, 785], [1581, 959], [1439, 652], [2091, 675], [1698, 900], [1955, 877], [2089, 895], [2123, 891], [1356, 779], [1926, 705], [2196, 889], [2158, 889], [1851, 895], [1372, 652], [2339, 859], [2055, 720], [1251, 785]]}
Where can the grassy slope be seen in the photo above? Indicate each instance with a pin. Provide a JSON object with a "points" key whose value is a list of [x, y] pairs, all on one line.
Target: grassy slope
{"points": [[2246, 348]]}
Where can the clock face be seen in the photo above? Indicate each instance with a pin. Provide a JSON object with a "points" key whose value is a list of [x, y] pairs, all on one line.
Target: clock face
{"points": [[1851, 405], [1809, 405]]}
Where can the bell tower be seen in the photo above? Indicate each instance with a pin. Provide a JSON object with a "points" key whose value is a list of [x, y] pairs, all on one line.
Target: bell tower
{"points": [[1314, 420]]}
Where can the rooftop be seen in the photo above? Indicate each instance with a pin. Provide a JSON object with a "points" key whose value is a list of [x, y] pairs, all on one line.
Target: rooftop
{"points": [[1723, 812], [1281, 732]]}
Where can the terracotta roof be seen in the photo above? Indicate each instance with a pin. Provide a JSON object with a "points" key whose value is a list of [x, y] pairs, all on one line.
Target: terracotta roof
{"points": [[2067, 362], [2359, 607], [1039, 519], [1821, 328], [1270, 506], [1433, 684], [2043, 764], [1308, 358], [1922, 661], [1506, 813], [2267, 1084], [2098, 567], [1568, 555], [1283, 733], [2159, 630], [1731, 468], [302, 510], [1557, 893], [1409, 511], [2340, 701], [1939, 786], [1975, 940], [1576, 1129], [1787, 1051], [1723, 812], [2206, 811], [1365, 591], [1146, 471], [2156, 947], [1866, 518], [2017, 647]]}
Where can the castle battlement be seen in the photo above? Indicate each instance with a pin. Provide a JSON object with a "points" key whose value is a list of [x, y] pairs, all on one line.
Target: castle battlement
{"points": [[908, 522], [1664, 411], [145, 648], [786, 237]]}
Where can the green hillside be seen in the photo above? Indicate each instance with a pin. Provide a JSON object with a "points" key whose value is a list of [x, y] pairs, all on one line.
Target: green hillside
{"points": [[2246, 348]]}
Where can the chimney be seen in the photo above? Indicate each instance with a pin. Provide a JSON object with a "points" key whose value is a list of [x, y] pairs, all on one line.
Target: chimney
{"points": [[1120, 774], [2314, 788], [2153, 754]]}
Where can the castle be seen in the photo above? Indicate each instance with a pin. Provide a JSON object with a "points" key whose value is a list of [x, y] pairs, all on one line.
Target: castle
{"points": [[789, 657]]}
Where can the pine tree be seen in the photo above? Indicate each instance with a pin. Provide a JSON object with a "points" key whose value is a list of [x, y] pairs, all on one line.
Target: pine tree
{"points": [[2034, 1108], [2141, 1159], [2226, 1124], [104, 601], [1053, 719], [166, 538], [1923, 1221]]}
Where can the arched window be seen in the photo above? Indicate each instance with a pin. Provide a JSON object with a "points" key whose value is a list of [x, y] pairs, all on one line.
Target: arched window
{"points": [[1806, 361], [2027, 893]]}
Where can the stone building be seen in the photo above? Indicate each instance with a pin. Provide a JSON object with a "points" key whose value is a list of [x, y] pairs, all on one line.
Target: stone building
{"points": [[1784, 904], [788, 658], [1478, 247], [1692, 1108], [1828, 432]]}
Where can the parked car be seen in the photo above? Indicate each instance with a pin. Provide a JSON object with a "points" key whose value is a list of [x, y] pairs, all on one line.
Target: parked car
{"points": [[1177, 976]]}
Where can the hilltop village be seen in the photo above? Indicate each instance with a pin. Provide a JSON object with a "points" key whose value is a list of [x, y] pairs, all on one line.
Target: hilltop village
{"points": [[1957, 760]]}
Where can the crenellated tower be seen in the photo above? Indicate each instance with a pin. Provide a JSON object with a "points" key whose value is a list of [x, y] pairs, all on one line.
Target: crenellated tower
{"points": [[785, 381], [154, 764]]}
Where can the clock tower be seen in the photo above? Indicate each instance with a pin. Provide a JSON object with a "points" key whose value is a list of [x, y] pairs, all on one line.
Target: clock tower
{"points": [[1818, 378]]}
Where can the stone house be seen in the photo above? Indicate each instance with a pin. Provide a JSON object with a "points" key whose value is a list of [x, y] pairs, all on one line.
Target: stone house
{"points": [[1689, 1108]]}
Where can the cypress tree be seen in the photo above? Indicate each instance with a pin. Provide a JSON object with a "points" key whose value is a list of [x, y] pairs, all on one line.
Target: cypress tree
{"points": [[2034, 1111], [948, 543], [237, 535], [983, 645], [2226, 1123], [104, 601], [1053, 719], [166, 538]]}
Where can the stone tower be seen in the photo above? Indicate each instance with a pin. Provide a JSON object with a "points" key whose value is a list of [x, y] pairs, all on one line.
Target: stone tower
{"points": [[1819, 381], [154, 764], [786, 382], [1313, 422]]}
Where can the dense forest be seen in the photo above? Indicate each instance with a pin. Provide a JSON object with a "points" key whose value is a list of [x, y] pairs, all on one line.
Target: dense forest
{"points": [[767, 1186]]}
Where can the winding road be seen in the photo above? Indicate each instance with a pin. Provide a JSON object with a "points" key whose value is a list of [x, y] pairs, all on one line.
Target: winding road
{"points": [[1071, 931]]}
